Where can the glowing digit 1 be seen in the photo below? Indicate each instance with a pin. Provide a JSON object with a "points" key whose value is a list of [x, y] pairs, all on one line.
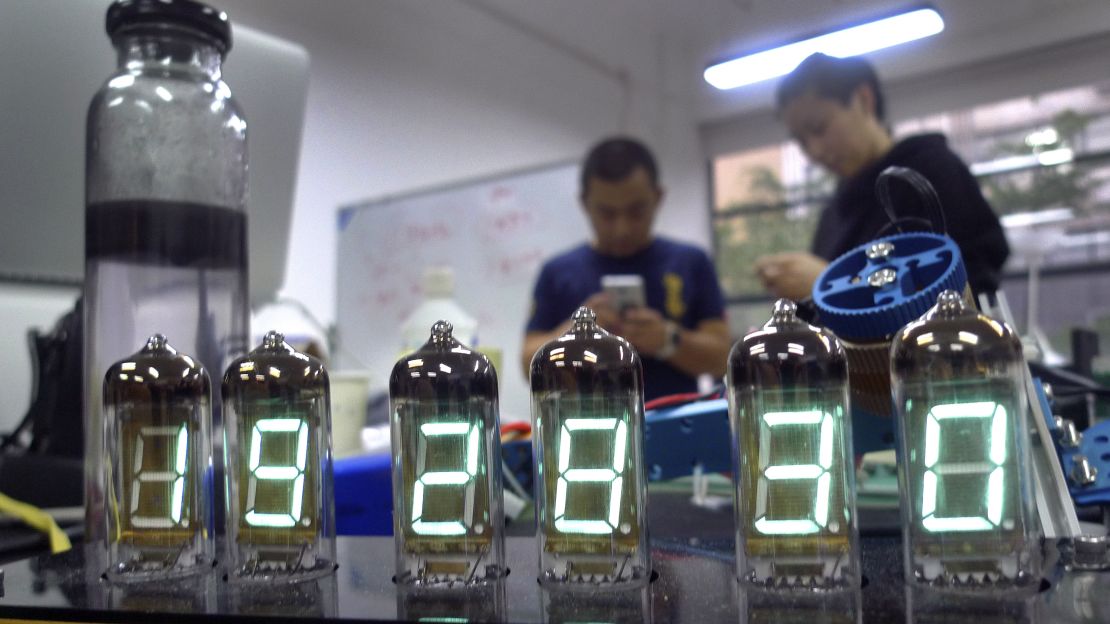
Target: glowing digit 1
{"points": [[463, 478], [996, 452], [293, 473], [176, 476], [785, 472], [568, 475]]}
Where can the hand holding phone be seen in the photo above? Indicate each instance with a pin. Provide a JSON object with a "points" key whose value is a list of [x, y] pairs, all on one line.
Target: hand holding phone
{"points": [[624, 291]]}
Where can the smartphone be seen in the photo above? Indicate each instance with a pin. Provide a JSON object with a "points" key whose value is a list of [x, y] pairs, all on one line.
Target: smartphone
{"points": [[625, 291]]}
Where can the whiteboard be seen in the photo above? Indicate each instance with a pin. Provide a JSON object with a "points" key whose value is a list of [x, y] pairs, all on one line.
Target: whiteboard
{"points": [[495, 233]]}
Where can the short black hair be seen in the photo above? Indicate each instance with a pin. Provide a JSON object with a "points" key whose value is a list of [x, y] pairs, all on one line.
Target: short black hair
{"points": [[615, 158], [830, 77]]}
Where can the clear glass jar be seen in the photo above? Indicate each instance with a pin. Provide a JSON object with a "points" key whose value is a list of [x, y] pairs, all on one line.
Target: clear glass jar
{"points": [[165, 191], [792, 445], [280, 502], [447, 502], [587, 440], [158, 468], [963, 438]]}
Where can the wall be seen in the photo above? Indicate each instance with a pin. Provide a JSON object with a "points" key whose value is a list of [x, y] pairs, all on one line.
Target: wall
{"points": [[406, 96], [410, 95]]}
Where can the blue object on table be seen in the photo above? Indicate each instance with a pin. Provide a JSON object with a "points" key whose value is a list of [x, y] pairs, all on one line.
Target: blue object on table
{"points": [[871, 432], [1095, 445], [517, 456], [678, 438], [363, 495], [364, 488]]}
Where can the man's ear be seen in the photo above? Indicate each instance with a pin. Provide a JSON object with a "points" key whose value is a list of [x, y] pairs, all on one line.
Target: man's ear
{"points": [[863, 98], [660, 193]]}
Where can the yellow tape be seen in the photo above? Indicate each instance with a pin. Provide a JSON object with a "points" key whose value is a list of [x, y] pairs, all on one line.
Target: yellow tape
{"points": [[37, 519]]}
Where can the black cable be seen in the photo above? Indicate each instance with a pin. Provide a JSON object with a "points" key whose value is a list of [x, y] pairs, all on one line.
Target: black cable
{"points": [[925, 192], [919, 223]]}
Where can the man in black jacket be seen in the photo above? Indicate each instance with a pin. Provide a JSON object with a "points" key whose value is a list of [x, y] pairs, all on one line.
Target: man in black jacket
{"points": [[834, 110]]}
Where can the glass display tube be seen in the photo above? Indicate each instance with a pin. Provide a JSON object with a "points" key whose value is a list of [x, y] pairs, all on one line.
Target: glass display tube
{"points": [[447, 501], [158, 467], [587, 432], [792, 448], [963, 438], [281, 510]]}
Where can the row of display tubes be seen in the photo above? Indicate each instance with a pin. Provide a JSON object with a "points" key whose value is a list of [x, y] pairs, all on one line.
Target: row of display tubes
{"points": [[958, 401]]}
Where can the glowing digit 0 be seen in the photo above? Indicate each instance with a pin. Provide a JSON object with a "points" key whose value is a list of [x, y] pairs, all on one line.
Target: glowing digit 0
{"points": [[174, 477], [462, 478], [294, 473], [795, 472], [568, 475], [934, 470]]}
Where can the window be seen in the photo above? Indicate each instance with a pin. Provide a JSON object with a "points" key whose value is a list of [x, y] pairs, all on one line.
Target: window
{"points": [[1043, 162]]}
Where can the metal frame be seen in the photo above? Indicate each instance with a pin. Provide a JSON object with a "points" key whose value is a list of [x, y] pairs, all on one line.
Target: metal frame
{"points": [[1055, 507]]}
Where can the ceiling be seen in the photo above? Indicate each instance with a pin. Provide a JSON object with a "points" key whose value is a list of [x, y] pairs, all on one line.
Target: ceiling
{"points": [[662, 46], [666, 43]]}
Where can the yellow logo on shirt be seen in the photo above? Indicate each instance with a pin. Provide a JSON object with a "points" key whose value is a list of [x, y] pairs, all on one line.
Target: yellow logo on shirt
{"points": [[673, 304]]}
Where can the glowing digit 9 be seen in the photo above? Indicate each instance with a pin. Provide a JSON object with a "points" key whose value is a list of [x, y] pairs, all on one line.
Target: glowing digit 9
{"points": [[174, 478], [795, 472], [294, 473], [934, 469], [612, 476]]}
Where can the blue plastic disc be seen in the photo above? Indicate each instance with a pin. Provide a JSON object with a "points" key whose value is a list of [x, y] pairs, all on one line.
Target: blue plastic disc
{"points": [[864, 296]]}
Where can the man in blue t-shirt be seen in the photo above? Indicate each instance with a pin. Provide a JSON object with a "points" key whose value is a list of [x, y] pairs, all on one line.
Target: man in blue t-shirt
{"points": [[681, 333]]}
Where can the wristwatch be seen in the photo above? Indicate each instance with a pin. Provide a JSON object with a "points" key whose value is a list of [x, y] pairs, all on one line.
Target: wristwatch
{"points": [[672, 333]]}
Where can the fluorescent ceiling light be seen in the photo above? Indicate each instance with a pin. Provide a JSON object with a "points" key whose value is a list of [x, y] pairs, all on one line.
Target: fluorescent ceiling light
{"points": [[1046, 158], [853, 41]]}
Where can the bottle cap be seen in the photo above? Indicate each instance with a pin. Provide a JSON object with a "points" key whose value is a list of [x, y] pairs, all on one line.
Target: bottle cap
{"points": [[125, 14]]}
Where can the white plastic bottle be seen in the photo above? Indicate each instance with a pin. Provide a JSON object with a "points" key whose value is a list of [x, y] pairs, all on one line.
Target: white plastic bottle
{"points": [[438, 304]]}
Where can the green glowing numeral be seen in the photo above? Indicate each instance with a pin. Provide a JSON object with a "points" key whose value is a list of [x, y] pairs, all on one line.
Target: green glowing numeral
{"points": [[294, 473], [568, 475], [795, 472], [462, 478], [996, 452], [174, 478]]}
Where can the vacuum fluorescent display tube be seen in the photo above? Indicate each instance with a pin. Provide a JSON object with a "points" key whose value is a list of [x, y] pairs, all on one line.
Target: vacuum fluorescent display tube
{"points": [[588, 413], [792, 446], [447, 518], [959, 392]]}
